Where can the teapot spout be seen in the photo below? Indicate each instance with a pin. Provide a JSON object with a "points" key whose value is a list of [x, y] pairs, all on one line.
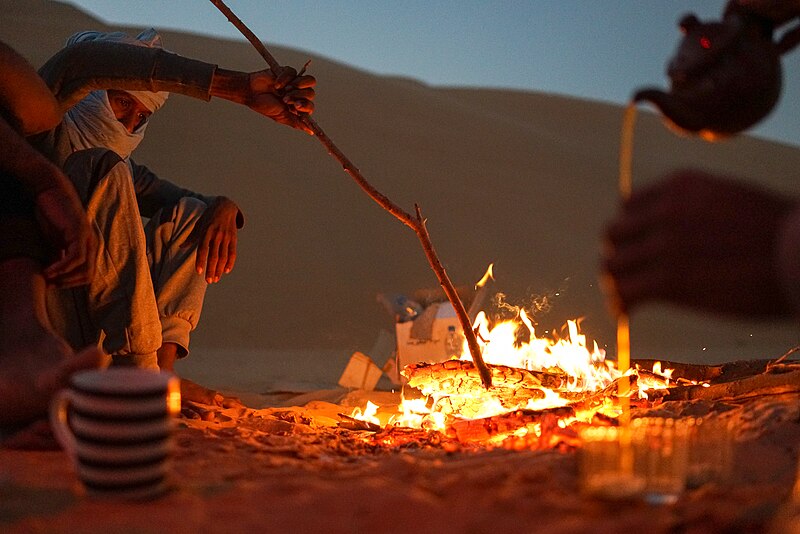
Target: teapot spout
{"points": [[677, 112]]}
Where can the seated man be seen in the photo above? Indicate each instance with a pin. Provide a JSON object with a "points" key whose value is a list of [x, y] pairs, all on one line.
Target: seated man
{"points": [[44, 238], [148, 292]]}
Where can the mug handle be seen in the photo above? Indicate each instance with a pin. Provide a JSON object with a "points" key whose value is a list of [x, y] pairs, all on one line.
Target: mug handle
{"points": [[59, 410]]}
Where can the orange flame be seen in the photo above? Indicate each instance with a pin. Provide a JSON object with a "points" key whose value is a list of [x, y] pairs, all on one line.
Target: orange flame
{"points": [[515, 343]]}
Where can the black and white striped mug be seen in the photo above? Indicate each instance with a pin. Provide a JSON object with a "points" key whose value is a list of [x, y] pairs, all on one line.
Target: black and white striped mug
{"points": [[117, 426]]}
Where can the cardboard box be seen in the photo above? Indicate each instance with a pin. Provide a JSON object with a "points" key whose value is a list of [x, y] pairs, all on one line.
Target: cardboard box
{"points": [[360, 373], [410, 350]]}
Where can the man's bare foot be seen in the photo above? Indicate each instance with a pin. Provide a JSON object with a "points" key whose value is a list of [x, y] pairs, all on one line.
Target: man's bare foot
{"points": [[194, 392]]}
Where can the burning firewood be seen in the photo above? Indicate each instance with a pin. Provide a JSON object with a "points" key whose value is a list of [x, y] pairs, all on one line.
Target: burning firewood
{"points": [[461, 376], [653, 378], [588, 399], [458, 387], [482, 430], [351, 423], [770, 383]]}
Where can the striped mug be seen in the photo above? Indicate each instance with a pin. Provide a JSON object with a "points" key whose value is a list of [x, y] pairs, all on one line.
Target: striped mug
{"points": [[116, 425]]}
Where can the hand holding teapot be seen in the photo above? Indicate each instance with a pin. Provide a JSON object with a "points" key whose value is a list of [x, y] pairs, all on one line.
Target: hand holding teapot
{"points": [[725, 76]]}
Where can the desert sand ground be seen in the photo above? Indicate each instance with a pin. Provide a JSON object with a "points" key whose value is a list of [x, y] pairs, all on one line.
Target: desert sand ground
{"points": [[288, 470]]}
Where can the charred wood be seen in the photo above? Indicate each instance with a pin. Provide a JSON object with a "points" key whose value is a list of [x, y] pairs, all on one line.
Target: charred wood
{"points": [[772, 383], [489, 427]]}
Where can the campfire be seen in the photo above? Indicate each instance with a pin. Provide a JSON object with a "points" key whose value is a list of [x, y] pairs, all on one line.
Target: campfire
{"points": [[544, 389]]}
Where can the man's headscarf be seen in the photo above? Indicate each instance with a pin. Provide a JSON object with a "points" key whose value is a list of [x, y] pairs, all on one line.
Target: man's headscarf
{"points": [[91, 122]]}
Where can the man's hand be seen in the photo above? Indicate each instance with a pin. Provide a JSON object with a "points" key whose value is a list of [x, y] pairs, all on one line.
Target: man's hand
{"points": [[283, 99], [216, 234], [700, 241], [778, 11], [65, 224]]}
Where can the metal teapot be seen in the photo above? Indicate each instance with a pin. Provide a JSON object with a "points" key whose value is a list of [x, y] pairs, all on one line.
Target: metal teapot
{"points": [[725, 76]]}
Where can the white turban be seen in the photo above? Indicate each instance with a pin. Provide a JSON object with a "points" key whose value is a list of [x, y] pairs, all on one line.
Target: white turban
{"points": [[91, 123], [148, 38]]}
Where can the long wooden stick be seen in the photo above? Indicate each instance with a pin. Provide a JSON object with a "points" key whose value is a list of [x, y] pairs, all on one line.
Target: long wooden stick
{"points": [[415, 222]]}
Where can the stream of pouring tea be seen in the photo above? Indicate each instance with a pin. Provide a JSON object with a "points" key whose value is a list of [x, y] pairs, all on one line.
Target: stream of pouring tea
{"points": [[623, 324]]}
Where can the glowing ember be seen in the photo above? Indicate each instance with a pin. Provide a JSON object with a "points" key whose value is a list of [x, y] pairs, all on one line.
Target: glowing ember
{"points": [[369, 414]]}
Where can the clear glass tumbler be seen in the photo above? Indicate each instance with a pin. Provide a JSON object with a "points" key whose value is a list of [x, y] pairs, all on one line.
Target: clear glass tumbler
{"points": [[646, 459], [710, 444], [606, 464], [660, 457]]}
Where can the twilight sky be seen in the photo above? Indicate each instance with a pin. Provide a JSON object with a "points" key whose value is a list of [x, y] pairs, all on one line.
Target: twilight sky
{"points": [[594, 49]]}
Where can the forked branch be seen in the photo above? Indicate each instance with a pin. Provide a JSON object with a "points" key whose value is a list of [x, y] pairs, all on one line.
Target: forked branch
{"points": [[415, 222]]}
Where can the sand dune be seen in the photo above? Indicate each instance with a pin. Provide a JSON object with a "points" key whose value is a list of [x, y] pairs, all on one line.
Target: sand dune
{"points": [[522, 179]]}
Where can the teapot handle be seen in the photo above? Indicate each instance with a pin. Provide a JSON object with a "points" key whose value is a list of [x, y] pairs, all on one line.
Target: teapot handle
{"points": [[788, 40]]}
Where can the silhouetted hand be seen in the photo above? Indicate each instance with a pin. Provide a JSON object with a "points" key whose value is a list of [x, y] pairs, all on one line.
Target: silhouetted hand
{"points": [[65, 224], [779, 12], [700, 241]]}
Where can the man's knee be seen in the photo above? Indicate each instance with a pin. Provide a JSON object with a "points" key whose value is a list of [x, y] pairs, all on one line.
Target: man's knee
{"points": [[186, 210], [174, 225], [192, 207]]}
